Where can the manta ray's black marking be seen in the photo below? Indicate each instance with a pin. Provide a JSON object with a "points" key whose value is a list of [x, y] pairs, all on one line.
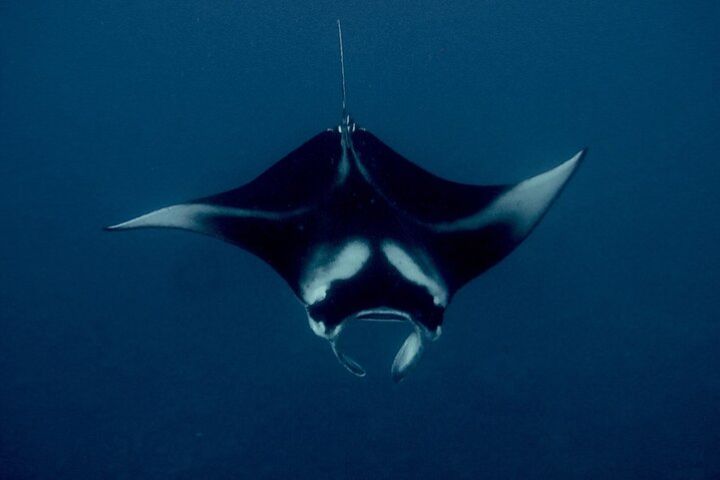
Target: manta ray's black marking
{"points": [[361, 233]]}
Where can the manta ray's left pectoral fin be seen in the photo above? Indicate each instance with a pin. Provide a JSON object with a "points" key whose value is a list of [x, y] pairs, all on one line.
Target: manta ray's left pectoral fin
{"points": [[469, 245]]}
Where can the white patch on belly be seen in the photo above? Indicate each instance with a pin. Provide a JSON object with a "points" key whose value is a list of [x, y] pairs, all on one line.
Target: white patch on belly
{"points": [[329, 265], [412, 271]]}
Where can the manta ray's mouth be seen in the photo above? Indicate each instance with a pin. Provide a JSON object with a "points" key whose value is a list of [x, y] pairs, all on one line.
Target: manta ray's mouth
{"points": [[406, 358], [381, 315]]}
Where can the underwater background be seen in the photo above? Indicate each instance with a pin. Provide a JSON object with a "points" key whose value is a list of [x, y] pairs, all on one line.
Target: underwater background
{"points": [[592, 352]]}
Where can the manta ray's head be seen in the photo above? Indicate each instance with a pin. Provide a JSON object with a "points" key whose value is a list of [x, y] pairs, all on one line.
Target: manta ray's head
{"points": [[364, 281]]}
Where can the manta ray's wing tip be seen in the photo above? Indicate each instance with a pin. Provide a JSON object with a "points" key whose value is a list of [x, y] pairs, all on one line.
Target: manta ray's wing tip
{"points": [[570, 166], [175, 216], [130, 224], [114, 228], [557, 177], [578, 157]]}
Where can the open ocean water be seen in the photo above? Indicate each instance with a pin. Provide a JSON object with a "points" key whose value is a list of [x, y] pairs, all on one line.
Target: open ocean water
{"points": [[592, 352]]}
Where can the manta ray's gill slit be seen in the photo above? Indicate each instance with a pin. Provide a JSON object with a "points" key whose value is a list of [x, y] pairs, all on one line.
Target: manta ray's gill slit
{"points": [[329, 265]]}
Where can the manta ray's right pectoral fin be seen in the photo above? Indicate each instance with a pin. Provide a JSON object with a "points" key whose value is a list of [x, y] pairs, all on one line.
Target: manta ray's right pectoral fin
{"points": [[470, 244]]}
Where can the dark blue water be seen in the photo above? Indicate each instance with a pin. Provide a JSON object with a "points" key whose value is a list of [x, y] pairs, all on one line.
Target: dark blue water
{"points": [[591, 352]]}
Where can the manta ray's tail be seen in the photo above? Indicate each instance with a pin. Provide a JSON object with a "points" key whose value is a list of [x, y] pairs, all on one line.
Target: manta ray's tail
{"points": [[342, 73]]}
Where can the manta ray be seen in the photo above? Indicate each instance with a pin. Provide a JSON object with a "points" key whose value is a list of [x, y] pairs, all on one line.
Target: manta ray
{"points": [[361, 233]]}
